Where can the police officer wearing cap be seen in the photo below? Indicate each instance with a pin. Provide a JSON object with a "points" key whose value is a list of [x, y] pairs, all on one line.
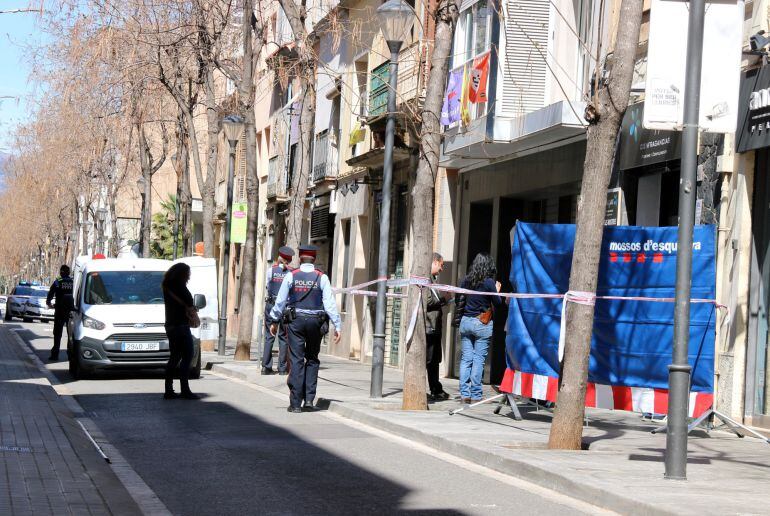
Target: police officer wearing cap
{"points": [[305, 300], [275, 275], [61, 291]]}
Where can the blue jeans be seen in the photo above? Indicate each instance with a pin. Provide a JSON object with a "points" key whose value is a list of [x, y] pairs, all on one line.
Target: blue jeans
{"points": [[474, 338]]}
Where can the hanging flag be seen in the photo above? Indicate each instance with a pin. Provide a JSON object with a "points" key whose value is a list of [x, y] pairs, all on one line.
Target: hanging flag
{"points": [[357, 135], [450, 112], [479, 76], [465, 113]]}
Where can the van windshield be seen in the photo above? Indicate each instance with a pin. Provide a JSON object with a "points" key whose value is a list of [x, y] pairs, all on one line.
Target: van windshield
{"points": [[124, 288]]}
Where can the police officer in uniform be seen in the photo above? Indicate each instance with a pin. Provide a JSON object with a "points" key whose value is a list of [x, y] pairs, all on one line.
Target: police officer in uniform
{"points": [[305, 300], [275, 275], [61, 291]]}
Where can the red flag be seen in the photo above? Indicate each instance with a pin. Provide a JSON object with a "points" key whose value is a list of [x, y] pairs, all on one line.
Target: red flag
{"points": [[479, 76]]}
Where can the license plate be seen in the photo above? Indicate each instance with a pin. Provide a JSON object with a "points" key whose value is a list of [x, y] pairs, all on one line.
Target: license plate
{"points": [[140, 346]]}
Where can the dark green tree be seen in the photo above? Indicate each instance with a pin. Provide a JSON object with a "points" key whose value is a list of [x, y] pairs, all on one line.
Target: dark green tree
{"points": [[162, 242]]}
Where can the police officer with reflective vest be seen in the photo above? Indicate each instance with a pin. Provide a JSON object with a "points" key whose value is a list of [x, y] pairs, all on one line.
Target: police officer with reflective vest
{"points": [[305, 301], [61, 291], [275, 275]]}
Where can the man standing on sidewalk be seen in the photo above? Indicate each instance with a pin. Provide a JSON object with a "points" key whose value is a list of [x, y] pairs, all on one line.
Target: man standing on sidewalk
{"points": [[310, 307], [275, 275], [61, 290], [434, 323]]}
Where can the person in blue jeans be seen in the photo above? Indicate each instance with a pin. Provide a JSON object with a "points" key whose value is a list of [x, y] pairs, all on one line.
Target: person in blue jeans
{"points": [[473, 314]]}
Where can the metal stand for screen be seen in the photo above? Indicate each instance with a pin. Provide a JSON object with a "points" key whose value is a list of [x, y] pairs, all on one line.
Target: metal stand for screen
{"points": [[708, 418]]}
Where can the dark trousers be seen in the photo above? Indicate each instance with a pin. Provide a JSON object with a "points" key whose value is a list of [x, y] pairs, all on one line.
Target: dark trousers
{"points": [[59, 323], [180, 343], [267, 350], [433, 356], [304, 346]]}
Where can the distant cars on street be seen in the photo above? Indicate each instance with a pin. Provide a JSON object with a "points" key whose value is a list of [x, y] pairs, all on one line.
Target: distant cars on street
{"points": [[27, 302]]}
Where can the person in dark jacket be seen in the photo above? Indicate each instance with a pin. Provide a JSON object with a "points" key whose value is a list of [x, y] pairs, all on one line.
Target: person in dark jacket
{"points": [[178, 301], [61, 293], [434, 322], [275, 275], [475, 321]]}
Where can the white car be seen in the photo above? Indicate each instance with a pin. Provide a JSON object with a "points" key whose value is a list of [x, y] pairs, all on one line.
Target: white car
{"points": [[36, 308], [16, 305]]}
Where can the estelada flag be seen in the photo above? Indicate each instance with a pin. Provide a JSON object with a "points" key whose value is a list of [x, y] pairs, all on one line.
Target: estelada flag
{"points": [[465, 112], [479, 76]]}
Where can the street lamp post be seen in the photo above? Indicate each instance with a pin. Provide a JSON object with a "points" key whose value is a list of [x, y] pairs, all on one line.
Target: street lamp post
{"points": [[396, 18], [233, 127], [679, 370]]}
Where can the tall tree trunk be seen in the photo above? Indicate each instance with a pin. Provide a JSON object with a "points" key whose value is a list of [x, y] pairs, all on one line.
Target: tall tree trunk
{"points": [[307, 63], [610, 105], [304, 159], [146, 213], [212, 129], [246, 96], [422, 199]]}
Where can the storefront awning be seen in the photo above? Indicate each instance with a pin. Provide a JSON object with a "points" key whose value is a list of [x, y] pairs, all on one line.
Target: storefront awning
{"points": [[557, 124]]}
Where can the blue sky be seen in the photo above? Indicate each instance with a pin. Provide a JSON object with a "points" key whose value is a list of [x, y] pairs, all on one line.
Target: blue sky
{"points": [[18, 31]]}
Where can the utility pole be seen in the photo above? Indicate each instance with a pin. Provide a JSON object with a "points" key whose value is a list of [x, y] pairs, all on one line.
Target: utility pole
{"points": [[679, 370]]}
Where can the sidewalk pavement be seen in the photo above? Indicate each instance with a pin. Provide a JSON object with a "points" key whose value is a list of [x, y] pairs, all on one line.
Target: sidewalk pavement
{"points": [[47, 463], [621, 471]]}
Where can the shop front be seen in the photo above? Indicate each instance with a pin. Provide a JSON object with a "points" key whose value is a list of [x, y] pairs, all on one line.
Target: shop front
{"points": [[753, 141]]}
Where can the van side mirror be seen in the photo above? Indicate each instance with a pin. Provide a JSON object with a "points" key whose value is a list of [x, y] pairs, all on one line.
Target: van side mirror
{"points": [[199, 301]]}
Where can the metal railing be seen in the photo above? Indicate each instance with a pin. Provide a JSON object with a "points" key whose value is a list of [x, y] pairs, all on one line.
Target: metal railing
{"points": [[326, 156]]}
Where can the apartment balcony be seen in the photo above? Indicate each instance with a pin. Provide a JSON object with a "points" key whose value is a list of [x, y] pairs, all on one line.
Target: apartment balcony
{"points": [[326, 156], [277, 180], [410, 89]]}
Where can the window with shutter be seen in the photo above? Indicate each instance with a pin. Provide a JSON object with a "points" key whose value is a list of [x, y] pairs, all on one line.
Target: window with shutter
{"points": [[320, 224], [526, 50]]}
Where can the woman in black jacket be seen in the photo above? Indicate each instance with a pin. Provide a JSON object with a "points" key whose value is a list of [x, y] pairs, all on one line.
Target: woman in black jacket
{"points": [[475, 314], [178, 301]]}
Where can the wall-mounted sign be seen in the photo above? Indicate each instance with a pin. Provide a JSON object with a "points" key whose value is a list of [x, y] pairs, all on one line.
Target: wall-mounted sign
{"points": [[614, 214], [754, 118], [640, 146]]}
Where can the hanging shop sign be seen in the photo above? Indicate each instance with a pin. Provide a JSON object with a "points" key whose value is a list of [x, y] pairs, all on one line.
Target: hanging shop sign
{"points": [[754, 118], [640, 147], [238, 224], [614, 210]]}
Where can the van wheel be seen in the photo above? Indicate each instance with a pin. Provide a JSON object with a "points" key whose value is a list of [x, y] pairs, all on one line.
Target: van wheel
{"points": [[8, 316], [27, 319], [195, 372]]}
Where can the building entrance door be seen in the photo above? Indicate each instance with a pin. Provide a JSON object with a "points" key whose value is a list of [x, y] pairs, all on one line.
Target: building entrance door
{"points": [[757, 398]]}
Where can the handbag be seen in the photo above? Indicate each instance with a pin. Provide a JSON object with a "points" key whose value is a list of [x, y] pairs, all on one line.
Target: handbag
{"points": [[190, 312], [485, 317]]}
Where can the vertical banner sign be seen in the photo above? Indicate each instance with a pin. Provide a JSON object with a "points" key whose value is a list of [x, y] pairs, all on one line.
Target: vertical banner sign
{"points": [[238, 224], [632, 339], [666, 65]]}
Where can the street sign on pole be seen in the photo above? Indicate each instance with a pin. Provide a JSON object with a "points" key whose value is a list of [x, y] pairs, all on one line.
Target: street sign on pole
{"points": [[668, 71]]}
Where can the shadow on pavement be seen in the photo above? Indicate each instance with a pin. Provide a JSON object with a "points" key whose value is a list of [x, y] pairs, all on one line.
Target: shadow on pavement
{"points": [[211, 458]]}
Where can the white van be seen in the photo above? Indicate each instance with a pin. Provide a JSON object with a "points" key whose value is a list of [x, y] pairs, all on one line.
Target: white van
{"points": [[118, 322]]}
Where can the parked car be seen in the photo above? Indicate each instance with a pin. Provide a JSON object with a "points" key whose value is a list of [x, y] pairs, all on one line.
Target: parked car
{"points": [[118, 322], [17, 303], [36, 308]]}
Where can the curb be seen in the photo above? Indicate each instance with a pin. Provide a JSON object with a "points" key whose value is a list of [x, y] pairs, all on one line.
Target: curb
{"points": [[144, 497], [519, 469]]}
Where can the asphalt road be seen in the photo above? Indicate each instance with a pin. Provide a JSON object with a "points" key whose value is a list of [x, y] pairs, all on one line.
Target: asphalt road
{"points": [[237, 451]]}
